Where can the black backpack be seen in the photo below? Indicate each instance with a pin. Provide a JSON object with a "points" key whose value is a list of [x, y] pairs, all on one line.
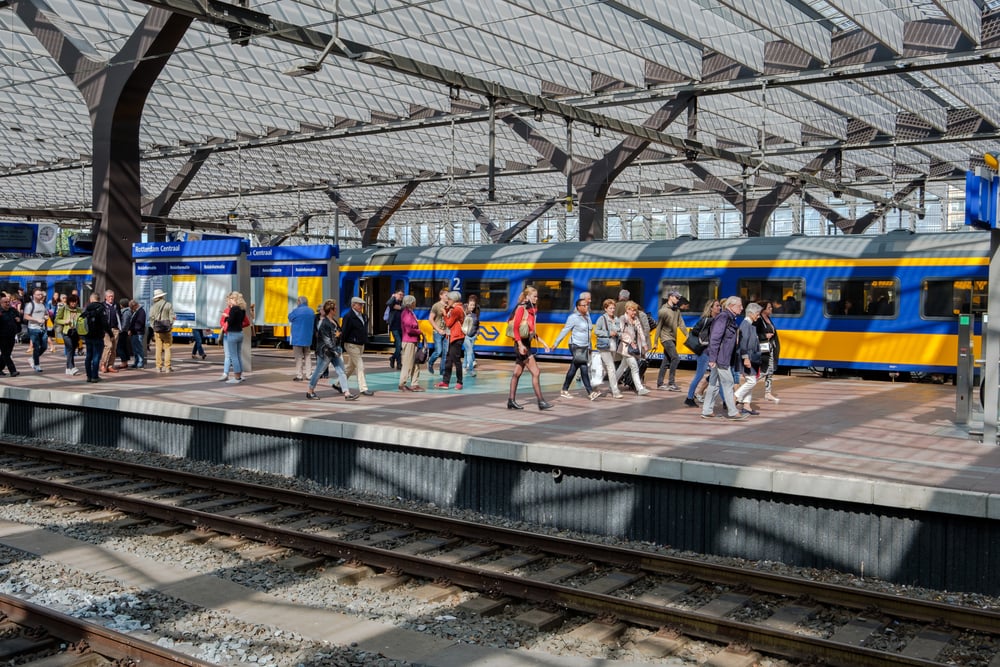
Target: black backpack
{"points": [[95, 322]]}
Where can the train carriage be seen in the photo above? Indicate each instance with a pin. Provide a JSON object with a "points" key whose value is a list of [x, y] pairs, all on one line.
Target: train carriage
{"points": [[887, 303], [878, 303]]}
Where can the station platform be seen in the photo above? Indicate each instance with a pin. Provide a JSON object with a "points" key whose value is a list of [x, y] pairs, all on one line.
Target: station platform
{"points": [[878, 442], [884, 449]]}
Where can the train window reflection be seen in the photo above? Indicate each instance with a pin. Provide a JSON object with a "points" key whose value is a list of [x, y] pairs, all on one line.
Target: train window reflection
{"points": [[554, 295], [493, 294], [698, 292], [784, 293], [609, 289], [947, 298], [869, 297], [426, 292]]}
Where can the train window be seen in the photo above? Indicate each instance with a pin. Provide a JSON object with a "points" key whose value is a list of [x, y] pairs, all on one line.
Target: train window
{"points": [[784, 293], [868, 297], [609, 289], [493, 294], [427, 292], [10, 288], [948, 298], [697, 292], [64, 287], [554, 295]]}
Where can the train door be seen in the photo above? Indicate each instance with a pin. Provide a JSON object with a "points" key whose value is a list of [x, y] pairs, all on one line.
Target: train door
{"points": [[376, 290]]}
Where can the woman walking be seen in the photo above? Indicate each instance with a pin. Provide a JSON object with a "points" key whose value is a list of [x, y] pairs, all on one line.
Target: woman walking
{"points": [[523, 325], [696, 389], [607, 333], [329, 352], [768, 335], [578, 328], [65, 319], [409, 369], [633, 346], [749, 347]]}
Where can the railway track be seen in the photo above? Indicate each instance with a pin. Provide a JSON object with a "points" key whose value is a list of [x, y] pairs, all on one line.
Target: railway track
{"points": [[33, 635], [681, 597]]}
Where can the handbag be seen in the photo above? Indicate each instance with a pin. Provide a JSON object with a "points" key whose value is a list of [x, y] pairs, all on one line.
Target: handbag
{"points": [[765, 348], [694, 344], [162, 326], [420, 356], [581, 355]]}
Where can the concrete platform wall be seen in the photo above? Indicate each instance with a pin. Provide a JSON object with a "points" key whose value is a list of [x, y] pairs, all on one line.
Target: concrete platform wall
{"points": [[944, 551]]}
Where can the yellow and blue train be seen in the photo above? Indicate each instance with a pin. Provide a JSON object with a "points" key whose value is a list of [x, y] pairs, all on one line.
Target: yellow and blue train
{"points": [[868, 303]]}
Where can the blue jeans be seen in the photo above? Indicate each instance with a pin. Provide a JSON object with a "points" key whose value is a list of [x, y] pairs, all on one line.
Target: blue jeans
{"points": [[397, 340], [138, 350], [321, 365], [440, 347], [470, 353], [197, 349], [699, 373], [95, 348], [233, 345], [39, 343]]}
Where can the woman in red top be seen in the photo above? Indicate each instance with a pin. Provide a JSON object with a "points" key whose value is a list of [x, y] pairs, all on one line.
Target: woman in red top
{"points": [[524, 357], [453, 316]]}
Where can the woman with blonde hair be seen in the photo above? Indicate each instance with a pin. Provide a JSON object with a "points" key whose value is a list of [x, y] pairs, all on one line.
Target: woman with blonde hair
{"points": [[234, 320], [523, 324], [633, 345]]}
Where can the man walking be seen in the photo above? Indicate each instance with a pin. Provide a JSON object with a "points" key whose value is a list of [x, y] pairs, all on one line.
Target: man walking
{"points": [[354, 328], [36, 315], [721, 347], [666, 332]]}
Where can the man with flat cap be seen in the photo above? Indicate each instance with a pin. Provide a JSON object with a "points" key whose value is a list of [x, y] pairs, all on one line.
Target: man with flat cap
{"points": [[354, 328]]}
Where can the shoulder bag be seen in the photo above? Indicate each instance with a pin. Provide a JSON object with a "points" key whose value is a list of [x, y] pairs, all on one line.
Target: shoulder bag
{"points": [[420, 356]]}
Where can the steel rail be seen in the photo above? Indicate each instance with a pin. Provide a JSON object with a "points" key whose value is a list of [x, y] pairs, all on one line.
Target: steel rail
{"points": [[99, 639], [764, 582], [707, 626]]}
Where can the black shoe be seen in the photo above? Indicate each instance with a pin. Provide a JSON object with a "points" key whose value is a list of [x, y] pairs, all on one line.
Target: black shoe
{"points": [[690, 402], [542, 405], [350, 397], [14, 374], [368, 392], [336, 388], [312, 396], [513, 405]]}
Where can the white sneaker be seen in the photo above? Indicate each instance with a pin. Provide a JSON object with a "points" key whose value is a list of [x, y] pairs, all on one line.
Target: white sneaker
{"points": [[76, 371], [69, 371], [565, 394], [594, 395], [643, 391], [223, 378]]}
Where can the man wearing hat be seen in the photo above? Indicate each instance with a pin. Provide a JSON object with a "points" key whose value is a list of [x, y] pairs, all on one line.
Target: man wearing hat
{"points": [[666, 333], [161, 318], [354, 333]]}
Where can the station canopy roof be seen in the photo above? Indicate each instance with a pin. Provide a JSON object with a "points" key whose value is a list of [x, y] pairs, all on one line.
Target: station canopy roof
{"points": [[871, 99]]}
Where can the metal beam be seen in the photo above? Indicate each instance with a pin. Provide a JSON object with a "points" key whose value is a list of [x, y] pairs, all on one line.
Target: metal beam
{"points": [[262, 25]]}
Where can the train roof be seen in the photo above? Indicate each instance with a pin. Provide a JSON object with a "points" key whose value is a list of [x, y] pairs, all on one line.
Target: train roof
{"points": [[45, 264], [895, 244]]}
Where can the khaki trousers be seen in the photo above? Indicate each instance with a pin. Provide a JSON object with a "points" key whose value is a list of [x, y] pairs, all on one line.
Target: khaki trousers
{"points": [[354, 363], [409, 369], [162, 343]]}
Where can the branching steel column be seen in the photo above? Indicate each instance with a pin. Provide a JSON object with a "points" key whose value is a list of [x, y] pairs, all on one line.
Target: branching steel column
{"points": [[165, 201], [115, 92]]}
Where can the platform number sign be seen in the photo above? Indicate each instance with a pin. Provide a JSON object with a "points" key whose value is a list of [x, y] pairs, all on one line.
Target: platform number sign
{"points": [[981, 193]]}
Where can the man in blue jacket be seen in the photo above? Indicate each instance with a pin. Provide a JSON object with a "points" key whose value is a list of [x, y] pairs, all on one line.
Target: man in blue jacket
{"points": [[301, 319], [721, 348]]}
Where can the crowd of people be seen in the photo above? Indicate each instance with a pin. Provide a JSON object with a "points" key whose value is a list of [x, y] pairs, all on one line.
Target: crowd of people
{"points": [[732, 354]]}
